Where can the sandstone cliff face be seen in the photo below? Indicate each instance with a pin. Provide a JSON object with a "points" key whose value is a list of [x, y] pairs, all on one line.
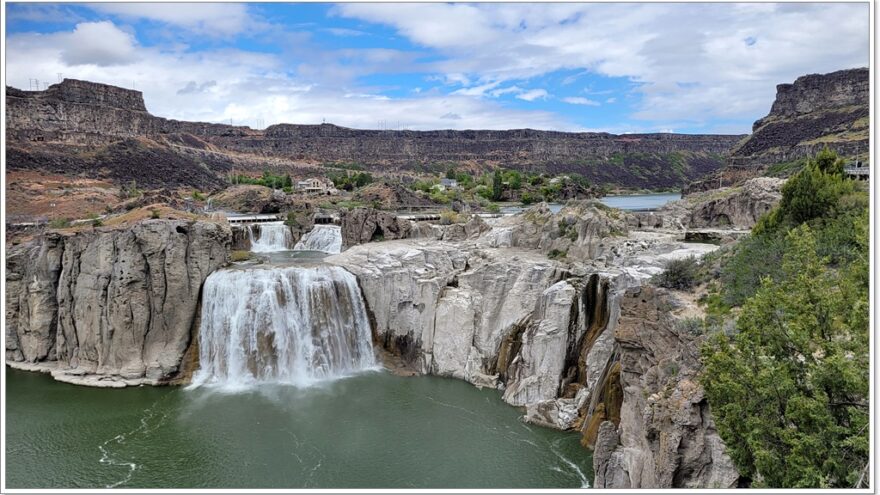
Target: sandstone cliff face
{"points": [[113, 307], [663, 435], [815, 111], [85, 114]]}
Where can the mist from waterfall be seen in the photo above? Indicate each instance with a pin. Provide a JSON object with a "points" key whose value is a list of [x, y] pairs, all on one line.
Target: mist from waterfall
{"points": [[292, 325], [326, 238], [273, 236]]}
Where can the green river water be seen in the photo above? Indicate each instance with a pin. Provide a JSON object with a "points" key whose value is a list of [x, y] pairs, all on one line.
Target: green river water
{"points": [[375, 430]]}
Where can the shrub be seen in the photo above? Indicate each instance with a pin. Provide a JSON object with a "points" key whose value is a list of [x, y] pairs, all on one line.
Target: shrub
{"points": [[556, 254], [493, 208], [693, 326], [449, 217], [59, 223], [679, 274], [240, 255], [198, 196], [154, 213]]}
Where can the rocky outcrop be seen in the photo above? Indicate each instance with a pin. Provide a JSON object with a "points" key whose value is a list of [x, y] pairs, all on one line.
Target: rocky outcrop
{"points": [[728, 208], [578, 231], [362, 225], [663, 435], [813, 112], [110, 307], [740, 208], [86, 114], [248, 199]]}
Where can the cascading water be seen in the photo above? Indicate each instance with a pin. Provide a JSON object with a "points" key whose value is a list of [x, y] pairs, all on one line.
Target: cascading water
{"points": [[293, 325], [273, 236], [326, 238]]}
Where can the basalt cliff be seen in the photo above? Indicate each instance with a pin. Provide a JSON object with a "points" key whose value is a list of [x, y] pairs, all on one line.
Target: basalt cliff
{"points": [[90, 129], [816, 111]]}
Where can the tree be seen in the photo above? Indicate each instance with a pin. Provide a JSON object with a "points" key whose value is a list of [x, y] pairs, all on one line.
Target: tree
{"points": [[812, 193], [789, 392], [496, 185]]}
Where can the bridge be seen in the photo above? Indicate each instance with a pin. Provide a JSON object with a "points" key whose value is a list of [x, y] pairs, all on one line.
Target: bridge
{"points": [[257, 218], [858, 171]]}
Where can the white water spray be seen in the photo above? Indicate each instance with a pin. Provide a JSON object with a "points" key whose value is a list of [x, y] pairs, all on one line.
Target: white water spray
{"points": [[273, 236], [293, 325], [326, 238]]}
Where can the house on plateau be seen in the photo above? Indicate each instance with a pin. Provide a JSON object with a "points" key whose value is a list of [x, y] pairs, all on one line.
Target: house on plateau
{"points": [[315, 186], [447, 184]]}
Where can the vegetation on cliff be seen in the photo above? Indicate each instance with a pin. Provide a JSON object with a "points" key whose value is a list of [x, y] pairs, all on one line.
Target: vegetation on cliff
{"points": [[789, 387]]}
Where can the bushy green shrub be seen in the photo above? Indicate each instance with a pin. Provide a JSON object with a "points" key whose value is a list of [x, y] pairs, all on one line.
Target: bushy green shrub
{"points": [[59, 223], [679, 274]]}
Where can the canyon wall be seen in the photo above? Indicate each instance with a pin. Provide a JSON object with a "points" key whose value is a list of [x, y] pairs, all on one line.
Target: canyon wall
{"points": [[663, 435], [76, 113], [109, 307], [815, 111]]}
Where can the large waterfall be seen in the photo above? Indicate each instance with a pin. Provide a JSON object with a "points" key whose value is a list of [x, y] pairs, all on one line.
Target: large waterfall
{"points": [[326, 238], [273, 236], [293, 325]]}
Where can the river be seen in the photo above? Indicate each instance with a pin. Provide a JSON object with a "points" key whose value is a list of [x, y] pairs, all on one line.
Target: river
{"points": [[374, 429], [640, 202]]}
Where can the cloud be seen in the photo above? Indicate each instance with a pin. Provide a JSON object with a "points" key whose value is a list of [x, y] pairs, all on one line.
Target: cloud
{"points": [[98, 43], [736, 53], [344, 32], [249, 88], [533, 94], [580, 100], [191, 87], [213, 19]]}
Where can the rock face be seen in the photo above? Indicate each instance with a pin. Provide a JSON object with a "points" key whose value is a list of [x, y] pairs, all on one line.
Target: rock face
{"points": [[814, 112], [741, 208], [362, 225], [46, 126], [110, 307], [494, 317], [663, 436]]}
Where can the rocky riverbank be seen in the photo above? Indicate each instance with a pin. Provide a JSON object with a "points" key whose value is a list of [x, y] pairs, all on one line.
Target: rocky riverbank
{"points": [[547, 307]]}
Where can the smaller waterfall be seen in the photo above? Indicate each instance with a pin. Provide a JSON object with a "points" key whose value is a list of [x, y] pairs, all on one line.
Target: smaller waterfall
{"points": [[274, 236], [326, 238], [292, 325]]}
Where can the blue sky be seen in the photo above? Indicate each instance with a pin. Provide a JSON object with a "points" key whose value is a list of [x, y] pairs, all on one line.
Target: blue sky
{"points": [[693, 68]]}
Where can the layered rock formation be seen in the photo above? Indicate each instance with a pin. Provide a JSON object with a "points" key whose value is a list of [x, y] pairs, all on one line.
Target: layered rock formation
{"points": [[109, 307], [663, 435], [52, 129], [815, 111]]}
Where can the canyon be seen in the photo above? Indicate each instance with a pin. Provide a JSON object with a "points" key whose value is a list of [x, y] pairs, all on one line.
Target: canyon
{"points": [[90, 129], [554, 309], [487, 302]]}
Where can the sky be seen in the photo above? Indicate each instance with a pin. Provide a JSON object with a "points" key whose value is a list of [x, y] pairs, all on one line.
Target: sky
{"points": [[620, 68]]}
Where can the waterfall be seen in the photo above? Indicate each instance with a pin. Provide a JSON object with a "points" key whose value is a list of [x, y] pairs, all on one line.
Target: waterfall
{"points": [[292, 325], [274, 236], [327, 238]]}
